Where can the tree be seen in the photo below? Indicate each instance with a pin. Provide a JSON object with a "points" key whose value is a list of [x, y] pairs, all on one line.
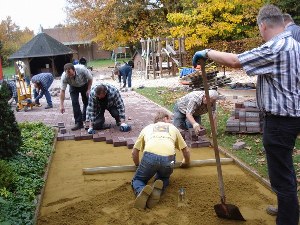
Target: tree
{"points": [[215, 20], [115, 23], [10, 134], [289, 6], [12, 38]]}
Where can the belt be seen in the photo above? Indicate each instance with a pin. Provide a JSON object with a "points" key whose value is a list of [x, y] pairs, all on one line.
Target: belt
{"points": [[273, 115], [170, 157]]}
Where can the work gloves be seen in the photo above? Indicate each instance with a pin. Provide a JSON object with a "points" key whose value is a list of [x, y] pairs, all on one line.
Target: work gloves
{"points": [[200, 55], [91, 131], [197, 128], [125, 127]]}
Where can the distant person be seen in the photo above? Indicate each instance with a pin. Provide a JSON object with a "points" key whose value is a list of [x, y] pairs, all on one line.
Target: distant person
{"points": [[189, 108], [159, 142], [83, 61], [291, 26], [104, 97], [125, 72], [80, 80], [42, 83]]}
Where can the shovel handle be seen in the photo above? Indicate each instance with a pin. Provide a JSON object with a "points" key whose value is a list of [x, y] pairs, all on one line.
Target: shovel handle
{"points": [[213, 132]]}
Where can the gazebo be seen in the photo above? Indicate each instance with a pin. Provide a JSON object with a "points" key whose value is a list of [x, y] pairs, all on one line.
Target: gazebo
{"points": [[44, 54]]}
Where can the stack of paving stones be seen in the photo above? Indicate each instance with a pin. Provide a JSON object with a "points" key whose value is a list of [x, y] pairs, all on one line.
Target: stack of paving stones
{"points": [[195, 141], [246, 118]]}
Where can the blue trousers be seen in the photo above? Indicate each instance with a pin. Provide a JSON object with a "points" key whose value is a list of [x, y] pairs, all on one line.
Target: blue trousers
{"points": [[79, 115], [279, 138], [152, 164], [100, 119], [180, 121]]}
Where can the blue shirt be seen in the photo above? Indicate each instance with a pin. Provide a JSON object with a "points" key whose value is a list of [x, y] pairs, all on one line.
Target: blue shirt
{"points": [[295, 30], [45, 80], [276, 63], [113, 99], [125, 70]]}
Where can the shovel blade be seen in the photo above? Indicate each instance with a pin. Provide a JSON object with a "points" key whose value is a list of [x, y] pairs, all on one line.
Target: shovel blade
{"points": [[228, 211]]}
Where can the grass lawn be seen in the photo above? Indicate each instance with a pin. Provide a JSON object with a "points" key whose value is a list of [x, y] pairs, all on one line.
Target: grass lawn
{"points": [[9, 71], [252, 154]]}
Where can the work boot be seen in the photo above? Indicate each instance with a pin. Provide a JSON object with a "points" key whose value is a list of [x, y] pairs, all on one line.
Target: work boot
{"points": [[141, 199], [156, 193], [77, 126], [272, 210], [48, 107]]}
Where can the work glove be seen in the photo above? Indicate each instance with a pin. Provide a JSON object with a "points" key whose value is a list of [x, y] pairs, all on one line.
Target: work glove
{"points": [[199, 55], [91, 131], [197, 128], [125, 127]]}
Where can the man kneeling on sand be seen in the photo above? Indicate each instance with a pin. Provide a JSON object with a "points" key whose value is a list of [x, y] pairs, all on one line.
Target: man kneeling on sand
{"points": [[159, 142]]}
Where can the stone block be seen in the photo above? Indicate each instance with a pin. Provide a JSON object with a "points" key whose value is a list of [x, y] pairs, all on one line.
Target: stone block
{"points": [[99, 137], [232, 129], [61, 124], [238, 145], [253, 130], [252, 114], [63, 130], [253, 124], [130, 143], [250, 103], [239, 105]]}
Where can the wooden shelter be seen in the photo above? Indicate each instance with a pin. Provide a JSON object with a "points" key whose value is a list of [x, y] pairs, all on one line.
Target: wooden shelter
{"points": [[43, 54]]}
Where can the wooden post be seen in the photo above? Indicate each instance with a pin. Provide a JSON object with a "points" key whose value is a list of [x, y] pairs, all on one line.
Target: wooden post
{"points": [[159, 53]]}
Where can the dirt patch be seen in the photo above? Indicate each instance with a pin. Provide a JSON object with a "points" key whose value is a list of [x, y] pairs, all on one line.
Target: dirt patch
{"points": [[73, 198]]}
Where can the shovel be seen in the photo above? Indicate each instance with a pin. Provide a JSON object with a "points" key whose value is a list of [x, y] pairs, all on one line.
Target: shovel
{"points": [[223, 210]]}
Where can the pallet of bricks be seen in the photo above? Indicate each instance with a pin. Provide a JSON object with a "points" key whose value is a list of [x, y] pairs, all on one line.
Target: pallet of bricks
{"points": [[196, 80], [246, 118]]}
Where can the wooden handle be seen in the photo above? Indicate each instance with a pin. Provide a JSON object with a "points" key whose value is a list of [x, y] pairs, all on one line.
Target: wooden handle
{"points": [[132, 168]]}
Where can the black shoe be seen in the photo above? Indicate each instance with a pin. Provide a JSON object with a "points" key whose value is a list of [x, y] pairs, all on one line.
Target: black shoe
{"points": [[105, 126], [48, 107], [118, 123], [77, 126]]}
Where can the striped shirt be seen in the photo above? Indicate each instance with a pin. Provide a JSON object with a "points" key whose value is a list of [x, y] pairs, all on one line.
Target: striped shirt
{"points": [[45, 80], [192, 103], [278, 83], [82, 76], [13, 88], [113, 99], [295, 30]]}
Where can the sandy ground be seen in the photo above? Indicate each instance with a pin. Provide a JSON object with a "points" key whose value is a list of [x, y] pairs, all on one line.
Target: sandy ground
{"points": [[73, 198]]}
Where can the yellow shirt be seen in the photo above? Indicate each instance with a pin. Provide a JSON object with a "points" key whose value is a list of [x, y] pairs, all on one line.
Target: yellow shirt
{"points": [[161, 139]]}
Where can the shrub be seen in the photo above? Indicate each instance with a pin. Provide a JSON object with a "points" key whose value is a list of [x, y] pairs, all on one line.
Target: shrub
{"points": [[10, 134], [7, 175]]}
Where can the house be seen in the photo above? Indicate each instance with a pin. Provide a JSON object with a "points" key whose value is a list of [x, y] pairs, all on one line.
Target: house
{"points": [[84, 47], [43, 54]]}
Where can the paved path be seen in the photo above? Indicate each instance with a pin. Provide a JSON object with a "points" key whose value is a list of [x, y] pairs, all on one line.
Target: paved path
{"points": [[139, 112]]}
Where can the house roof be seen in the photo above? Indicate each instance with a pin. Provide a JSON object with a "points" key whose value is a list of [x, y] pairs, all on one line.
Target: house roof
{"points": [[42, 45], [67, 35]]}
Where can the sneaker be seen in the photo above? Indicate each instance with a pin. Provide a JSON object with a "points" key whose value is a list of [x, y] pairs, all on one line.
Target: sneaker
{"points": [[37, 104], [48, 107], [156, 193], [141, 199], [272, 210], [77, 126]]}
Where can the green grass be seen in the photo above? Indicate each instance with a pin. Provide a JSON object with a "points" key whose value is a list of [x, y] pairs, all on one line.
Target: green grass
{"points": [[252, 154], [8, 72]]}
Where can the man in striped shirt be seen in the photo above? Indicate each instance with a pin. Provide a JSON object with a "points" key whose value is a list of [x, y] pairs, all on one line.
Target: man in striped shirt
{"points": [[42, 82], [104, 97], [189, 108], [276, 65]]}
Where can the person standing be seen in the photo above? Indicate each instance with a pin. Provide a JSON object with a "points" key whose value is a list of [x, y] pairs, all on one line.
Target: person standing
{"points": [[125, 72], [159, 142], [291, 26], [189, 108], [276, 65], [104, 97], [80, 80], [42, 82]]}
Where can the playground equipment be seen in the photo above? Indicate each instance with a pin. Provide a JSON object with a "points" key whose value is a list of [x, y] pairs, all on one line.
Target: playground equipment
{"points": [[23, 91], [162, 55]]}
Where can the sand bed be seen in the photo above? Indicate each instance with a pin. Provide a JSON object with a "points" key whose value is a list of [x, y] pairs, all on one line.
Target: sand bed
{"points": [[73, 198]]}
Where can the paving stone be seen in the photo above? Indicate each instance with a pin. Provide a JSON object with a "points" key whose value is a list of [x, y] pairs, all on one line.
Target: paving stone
{"points": [[63, 130], [239, 145], [130, 143]]}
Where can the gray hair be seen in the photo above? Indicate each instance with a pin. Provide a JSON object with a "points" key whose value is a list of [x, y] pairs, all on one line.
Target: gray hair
{"points": [[287, 17], [271, 15]]}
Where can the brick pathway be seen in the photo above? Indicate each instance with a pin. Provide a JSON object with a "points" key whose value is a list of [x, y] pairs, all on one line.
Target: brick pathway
{"points": [[139, 112]]}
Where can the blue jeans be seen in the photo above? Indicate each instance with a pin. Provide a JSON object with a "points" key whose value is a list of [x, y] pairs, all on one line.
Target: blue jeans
{"points": [[152, 164], [100, 119], [128, 78], [180, 121], [79, 115], [279, 138], [44, 91]]}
